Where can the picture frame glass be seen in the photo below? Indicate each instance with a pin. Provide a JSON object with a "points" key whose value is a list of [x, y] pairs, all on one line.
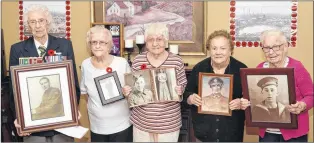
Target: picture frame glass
{"points": [[269, 95], [215, 93], [108, 88]]}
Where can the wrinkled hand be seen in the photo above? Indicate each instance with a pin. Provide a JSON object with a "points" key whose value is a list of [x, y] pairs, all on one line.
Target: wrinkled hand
{"points": [[19, 126], [179, 90], [296, 108], [79, 115], [235, 104], [195, 100], [244, 103], [126, 90]]}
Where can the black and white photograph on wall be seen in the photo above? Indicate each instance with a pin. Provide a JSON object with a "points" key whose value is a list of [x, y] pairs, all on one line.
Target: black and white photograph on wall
{"points": [[165, 82], [109, 88], [58, 12], [253, 17], [142, 89]]}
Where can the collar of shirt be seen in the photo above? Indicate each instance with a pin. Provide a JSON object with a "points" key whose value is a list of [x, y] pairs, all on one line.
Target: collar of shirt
{"points": [[37, 44]]}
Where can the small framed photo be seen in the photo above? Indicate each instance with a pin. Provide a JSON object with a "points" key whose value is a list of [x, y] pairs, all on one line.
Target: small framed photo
{"points": [[152, 86], [216, 92], [44, 96], [116, 30], [269, 90], [109, 88]]}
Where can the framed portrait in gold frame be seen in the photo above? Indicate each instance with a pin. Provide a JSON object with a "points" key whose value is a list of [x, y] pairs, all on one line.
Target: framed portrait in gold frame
{"points": [[186, 20]]}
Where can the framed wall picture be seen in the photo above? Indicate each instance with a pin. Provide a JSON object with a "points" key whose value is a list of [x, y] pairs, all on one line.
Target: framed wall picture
{"points": [[152, 86], [269, 90], [109, 88], [61, 18], [116, 30], [216, 92], [44, 96], [248, 19], [186, 20]]}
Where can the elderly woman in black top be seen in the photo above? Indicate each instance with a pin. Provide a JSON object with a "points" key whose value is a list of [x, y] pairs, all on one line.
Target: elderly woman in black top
{"points": [[212, 128]]}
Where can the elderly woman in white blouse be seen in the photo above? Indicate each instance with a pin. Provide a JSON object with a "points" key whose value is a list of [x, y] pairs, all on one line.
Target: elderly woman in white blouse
{"points": [[108, 123]]}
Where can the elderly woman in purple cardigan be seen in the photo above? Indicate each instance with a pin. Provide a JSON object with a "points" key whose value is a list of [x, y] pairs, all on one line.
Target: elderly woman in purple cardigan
{"points": [[275, 49]]}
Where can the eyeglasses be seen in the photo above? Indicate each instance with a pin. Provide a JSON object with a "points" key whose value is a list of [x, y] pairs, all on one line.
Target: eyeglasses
{"points": [[40, 22], [157, 40], [274, 48], [101, 43]]}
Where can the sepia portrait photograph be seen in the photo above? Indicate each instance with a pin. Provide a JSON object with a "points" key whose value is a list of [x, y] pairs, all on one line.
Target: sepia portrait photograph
{"points": [[269, 96], [216, 93], [109, 88], [269, 91], [45, 97], [165, 82], [142, 90]]}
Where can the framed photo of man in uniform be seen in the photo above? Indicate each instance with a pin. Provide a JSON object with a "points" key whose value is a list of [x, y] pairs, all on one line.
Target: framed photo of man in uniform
{"points": [[269, 90], [216, 93], [44, 96]]}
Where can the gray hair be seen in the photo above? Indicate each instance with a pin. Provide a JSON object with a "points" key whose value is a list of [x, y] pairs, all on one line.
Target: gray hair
{"points": [[157, 29], [40, 9], [273, 32], [98, 29]]}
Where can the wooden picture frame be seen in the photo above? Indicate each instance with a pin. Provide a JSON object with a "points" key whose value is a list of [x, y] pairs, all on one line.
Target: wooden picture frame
{"points": [[104, 90], [215, 103], [117, 33], [44, 96], [147, 83], [257, 81], [196, 46]]}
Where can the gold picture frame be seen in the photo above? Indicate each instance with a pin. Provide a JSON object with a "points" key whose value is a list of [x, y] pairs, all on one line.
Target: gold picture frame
{"points": [[194, 47]]}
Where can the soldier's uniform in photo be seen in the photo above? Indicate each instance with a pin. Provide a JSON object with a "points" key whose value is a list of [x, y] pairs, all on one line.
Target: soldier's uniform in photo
{"points": [[260, 112]]}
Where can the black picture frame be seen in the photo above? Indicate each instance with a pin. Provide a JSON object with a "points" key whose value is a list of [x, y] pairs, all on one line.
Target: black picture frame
{"points": [[118, 97], [266, 72]]}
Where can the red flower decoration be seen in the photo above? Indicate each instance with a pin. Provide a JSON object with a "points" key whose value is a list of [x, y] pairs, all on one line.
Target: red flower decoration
{"points": [[21, 17], [51, 52], [109, 69], [143, 66]]}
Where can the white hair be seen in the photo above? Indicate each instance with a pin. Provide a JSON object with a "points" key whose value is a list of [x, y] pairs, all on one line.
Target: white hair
{"points": [[40, 9], [274, 32], [98, 29], [157, 29]]}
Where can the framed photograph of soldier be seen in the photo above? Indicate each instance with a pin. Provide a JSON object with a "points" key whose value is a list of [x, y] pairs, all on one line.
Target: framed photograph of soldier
{"points": [[44, 96], [109, 88], [216, 92], [269, 90], [152, 86], [116, 30]]}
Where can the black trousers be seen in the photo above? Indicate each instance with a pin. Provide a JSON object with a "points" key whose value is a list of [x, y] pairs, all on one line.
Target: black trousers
{"points": [[269, 137], [123, 136]]}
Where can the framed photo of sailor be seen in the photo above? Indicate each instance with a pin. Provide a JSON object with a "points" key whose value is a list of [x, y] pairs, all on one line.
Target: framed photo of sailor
{"points": [[269, 90], [216, 92], [44, 96], [109, 88]]}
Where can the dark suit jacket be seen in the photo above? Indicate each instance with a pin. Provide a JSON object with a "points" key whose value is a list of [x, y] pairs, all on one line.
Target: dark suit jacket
{"points": [[27, 48]]}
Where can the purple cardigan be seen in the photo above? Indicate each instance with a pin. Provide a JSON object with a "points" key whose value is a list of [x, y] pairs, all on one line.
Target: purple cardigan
{"points": [[304, 92]]}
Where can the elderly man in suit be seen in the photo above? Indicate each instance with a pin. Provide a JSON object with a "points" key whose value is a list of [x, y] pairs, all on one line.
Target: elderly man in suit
{"points": [[270, 110], [39, 21], [215, 102]]}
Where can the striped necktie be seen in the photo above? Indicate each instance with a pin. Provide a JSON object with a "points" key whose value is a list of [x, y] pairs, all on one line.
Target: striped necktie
{"points": [[42, 50]]}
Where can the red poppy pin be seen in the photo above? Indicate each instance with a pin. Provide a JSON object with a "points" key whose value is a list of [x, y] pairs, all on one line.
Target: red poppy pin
{"points": [[51, 52], [143, 66], [109, 69]]}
